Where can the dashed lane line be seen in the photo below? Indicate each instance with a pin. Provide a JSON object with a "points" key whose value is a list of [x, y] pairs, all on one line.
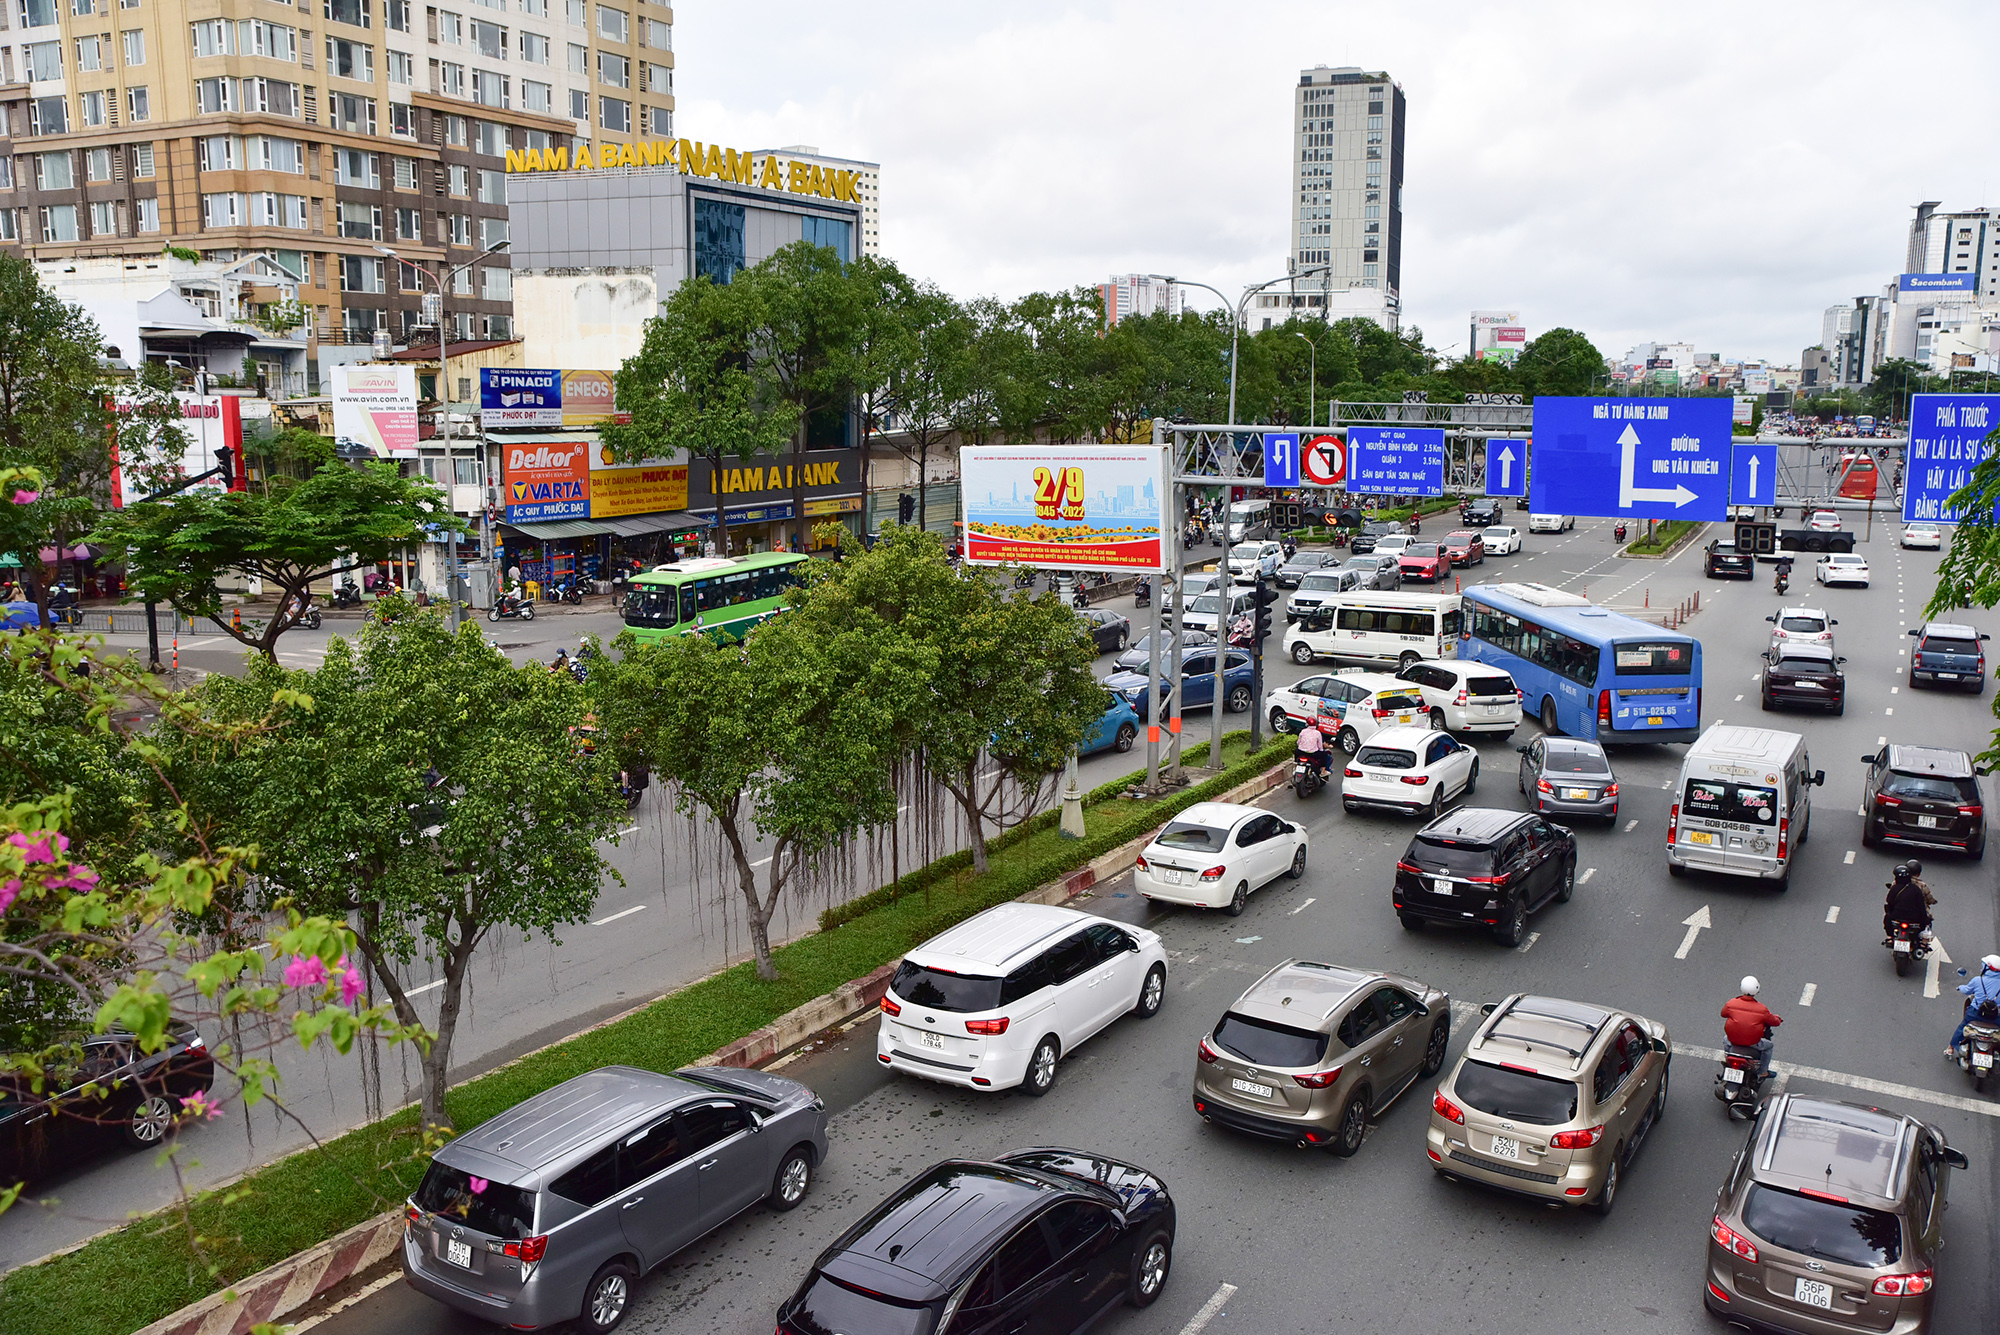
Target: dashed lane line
{"points": [[1849, 859], [1303, 907], [1631, 825], [622, 913], [1209, 1310], [1529, 944], [1806, 997], [1833, 913], [1588, 872]]}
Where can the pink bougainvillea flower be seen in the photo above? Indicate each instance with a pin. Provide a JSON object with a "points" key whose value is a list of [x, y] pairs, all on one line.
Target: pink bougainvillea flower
{"points": [[33, 849], [305, 971], [352, 984], [81, 879], [8, 892], [24, 497], [478, 1184], [200, 1107]]}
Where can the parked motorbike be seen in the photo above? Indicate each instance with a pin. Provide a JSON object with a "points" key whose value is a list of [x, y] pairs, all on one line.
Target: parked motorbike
{"points": [[510, 607], [346, 595], [1980, 1050], [1142, 594], [1736, 1084], [1307, 778], [1908, 942], [571, 591]]}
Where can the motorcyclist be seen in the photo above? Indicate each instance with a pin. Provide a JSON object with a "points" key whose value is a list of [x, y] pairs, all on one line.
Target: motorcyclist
{"points": [[561, 663], [1748, 1022], [1984, 988], [1909, 899], [1784, 575], [1311, 748]]}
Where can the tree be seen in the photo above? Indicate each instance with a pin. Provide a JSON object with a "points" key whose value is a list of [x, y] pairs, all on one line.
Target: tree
{"points": [[926, 389], [284, 452], [420, 785], [693, 386], [1561, 362], [340, 518], [1895, 381]]}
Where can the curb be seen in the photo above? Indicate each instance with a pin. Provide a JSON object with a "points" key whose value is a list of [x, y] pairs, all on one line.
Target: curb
{"points": [[278, 1291], [1681, 544]]}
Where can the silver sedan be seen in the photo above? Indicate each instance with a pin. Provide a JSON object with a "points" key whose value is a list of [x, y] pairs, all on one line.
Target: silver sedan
{"points": [[1567, 776]]}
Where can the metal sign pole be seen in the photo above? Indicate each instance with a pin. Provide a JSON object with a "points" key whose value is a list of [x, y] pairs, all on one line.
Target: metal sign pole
{"points": [[1153, 703]]}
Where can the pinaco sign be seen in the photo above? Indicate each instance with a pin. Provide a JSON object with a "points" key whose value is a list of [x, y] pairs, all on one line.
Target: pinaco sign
{"points": [[693, 158]]}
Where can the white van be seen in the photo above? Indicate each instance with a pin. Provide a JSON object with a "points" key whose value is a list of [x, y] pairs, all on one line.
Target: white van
{"points": [[1376, 627], [1249, 519], [1743, 804]]}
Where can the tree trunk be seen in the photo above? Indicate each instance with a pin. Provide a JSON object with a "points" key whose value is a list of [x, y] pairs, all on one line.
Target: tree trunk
{"points": [[436, 1062], [756, 910], [923, 481], [975, 816]]}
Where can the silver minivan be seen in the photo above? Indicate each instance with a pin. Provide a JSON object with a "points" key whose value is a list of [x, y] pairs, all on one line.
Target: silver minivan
{"points": [[551, 1211], [1744, 803]]}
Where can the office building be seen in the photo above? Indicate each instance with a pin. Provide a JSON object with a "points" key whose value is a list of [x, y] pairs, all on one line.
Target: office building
{"points": [[1497, 336], [1129, 294], [317, 136], [867, 186], [1347, 196]]}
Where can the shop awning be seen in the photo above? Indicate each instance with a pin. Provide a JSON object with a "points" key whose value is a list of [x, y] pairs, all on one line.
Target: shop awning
{"points": [[627, 526]]}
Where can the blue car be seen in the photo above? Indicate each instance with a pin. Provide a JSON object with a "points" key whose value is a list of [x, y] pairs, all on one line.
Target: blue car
{"points": [[1115, 731], [1198, 683]]}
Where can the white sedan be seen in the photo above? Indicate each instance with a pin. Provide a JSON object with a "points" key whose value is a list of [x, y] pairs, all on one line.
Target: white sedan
{"points": [[1824, 521], [1501, 540], [1550, 523], [1214, 854], [1409, 769], [1841, 568], [1924, 535]]}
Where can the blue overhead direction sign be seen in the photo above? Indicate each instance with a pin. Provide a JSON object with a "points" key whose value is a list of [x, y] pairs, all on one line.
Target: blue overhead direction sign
{"points": [[1281, 459], [1395, 460], [1631, 458], [1753, 476], [1506, 468], [1947, 440]]}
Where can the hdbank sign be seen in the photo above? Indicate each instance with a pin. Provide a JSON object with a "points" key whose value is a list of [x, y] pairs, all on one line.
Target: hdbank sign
{"points": [[544, 482], [1967, 283]]}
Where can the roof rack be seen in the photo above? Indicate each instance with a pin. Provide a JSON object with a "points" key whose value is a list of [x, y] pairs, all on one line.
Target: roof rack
{"points": [[1576, 1054]]}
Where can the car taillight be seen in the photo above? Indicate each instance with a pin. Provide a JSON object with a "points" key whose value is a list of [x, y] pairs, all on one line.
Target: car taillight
{"points": [[1604, 709], [1318, 1079], [1446, 1109], [1611, 790], [1974, 812], [1207, 1053], [1462, 697], [1385, 713], [1418, 782], [998, 1026], [1351, 773], [1142, 864], [1731, 1239], [1410, 867], [1577, 1140], [527, 1249], [1215, 873], [1489, 880], [889, 1007], [1544, 786], [1905, 1286], [1673, 823], [195, 1044], [1884, 800], [413, 1214], [1784, 834]]}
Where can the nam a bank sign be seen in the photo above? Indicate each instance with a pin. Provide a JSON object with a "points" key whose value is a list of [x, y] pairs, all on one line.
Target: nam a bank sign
{"points": [[694, 158]]}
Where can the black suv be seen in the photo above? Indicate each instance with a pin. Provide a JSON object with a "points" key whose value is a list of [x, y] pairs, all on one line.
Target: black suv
{"points": [[1947, 652], [1481, 514], [1485, 866], [1366, 535], [1723, 559], [1926, 796], [1806, 673], [1048, 1239]]}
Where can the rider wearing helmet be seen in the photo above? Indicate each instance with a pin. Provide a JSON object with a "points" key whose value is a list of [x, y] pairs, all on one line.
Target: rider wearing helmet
{"points": [[1909, 899], [1748, 1022], [1984, 988]]}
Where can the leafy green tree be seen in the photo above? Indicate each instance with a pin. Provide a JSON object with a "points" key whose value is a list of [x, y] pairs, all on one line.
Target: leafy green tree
{"points": [[1969, 575], [420, 786], [1561, 362], [1888, 394], [340, 518], [284, 452], [927, 384]]}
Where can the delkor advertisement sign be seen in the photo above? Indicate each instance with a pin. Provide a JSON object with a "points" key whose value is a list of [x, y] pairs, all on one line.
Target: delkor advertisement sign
{"points": [[1076, 507], [643, 488], [544, 482], [376, 407], [545, 398]]}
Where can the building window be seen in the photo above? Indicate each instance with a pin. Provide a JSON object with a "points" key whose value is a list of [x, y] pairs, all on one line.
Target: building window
{"points": [[461, 229], [81, 8], [613, 70], [268, 39], [498, 284], [214, 37], [492, 187], [832, 233], [212, 95], [43, 60], [718, 239], [490, 90], [396, 15], [409, 224], [403, 119], [611, 24], [572, 9], [89, 54], [451, 79], [48, 115], [103, 219], [37, 13], [406, 174], [614, 114], [579, 59], [539, 8], [217, 153], [537, 96], [91, 106], [6, 172], [149, 214], [355, 167], [409, 278], [138, 105], [59, 222], [659, 36], [361, 222], [655, 78], [349, 112], [450, 27], [350, 60], [461, 282], [492, 231], [495, 326], [281, 210], [454, 131], [401, 66], [97, 164], [222, 210], [360, 274], [348, 11], [490, 39], [461, 179], [534, 48], [142, 160], [579, 104], [662, 120]]}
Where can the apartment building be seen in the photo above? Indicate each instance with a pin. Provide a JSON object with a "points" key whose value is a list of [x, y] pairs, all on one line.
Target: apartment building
{"points": [[360, 144]]}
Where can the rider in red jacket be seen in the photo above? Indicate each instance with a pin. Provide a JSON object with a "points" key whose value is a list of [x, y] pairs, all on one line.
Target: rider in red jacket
{"points": [[1748, 1022]]}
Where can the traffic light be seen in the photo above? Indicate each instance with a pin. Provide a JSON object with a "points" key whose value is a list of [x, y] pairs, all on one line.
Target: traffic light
{"points": [[1262, 597], [225, 465], [1757, 537], [906, 508]]}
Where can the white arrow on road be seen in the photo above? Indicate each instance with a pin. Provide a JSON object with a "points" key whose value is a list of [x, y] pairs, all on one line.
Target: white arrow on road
{"points": [[1754, 461], [1627, 493], [1931, 967], [1506, 458], [1694, 922]]}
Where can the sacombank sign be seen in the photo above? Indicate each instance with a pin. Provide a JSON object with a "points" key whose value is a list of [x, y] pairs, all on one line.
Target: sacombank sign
{"points": [[545, 482], [1937, 282], [694, 158]]}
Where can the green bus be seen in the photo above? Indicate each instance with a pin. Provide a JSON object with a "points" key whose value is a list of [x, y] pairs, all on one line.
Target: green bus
{"points": [[726, 597]]}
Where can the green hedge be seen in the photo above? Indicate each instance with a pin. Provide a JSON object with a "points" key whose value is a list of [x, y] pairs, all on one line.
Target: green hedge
{"points": [[146, 1270], [1664, 536]]}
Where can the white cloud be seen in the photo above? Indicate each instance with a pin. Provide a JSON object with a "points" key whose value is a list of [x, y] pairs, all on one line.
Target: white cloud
{"points": [[1716, 174]]}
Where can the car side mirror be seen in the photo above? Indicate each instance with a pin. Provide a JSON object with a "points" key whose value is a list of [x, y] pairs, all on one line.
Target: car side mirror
{"points": [[1422, 1010], [1489, 1008], [1659, 1045], [1953, 1158], [1985, 637], [1981, 771], [1522, 749], [1773, 620], [1835, 622], [1840, 660], [1819, 778], [1868, 760], [1917, 632]]}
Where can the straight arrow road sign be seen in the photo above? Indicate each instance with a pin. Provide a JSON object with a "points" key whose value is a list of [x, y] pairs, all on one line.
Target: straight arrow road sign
{"points": [[1694, 922], [1507, 468], [1753, 476], [1931, 966]]}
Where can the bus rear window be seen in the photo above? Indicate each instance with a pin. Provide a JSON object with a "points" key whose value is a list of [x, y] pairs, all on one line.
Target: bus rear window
{"points": [[1672, 658], [1747, 803]]}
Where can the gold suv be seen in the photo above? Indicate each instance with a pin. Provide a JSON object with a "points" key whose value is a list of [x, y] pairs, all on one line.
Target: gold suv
{"points": [[1551, 1099]]}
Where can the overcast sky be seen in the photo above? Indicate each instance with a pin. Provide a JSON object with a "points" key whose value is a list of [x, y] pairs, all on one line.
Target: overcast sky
{"points": [[1716, 174]]}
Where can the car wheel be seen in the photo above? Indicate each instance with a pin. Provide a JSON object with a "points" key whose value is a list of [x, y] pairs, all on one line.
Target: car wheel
{"points": [[1302, 653], [1278, 720], [1124, 639], [1549, 725], [1411, 922], [1239, 699], [1472, 779], [792, 1180], [1298, 870], [1977, 852], [1238, 901], [1127, 734], [1660, 1099], [1765, 700], [1569, 883], [1676, 870], [1607, 1195], [1041, 1076], [1151, 1263], [1913, 679], [1152, 992], [1437, 720], [1347, 741], [608, 1297], [1513, 929], [1434, 1047], [1436, 809], [1408, 659], [1353, 1127], [151, 1121]]}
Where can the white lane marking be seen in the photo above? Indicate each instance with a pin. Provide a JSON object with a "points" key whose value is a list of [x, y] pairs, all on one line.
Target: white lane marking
{"points": [[1887, 712], [1833, 913], [1895, 690], [1588, 872], [1739, 699], [1938, 956], [629, 829], [1694, 922], [622, 913], [413, 991], [1212, 1307], [1881, 741], [1529, 944], [1805, 997], [366, 1292], [1303, 907], [1861, 811], [1848, 861], [761, 861], [1631, 825]]}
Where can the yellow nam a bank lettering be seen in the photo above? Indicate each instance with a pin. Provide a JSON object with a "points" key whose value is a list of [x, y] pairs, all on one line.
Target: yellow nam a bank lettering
{"points": [[694, 159], [776, 478]]}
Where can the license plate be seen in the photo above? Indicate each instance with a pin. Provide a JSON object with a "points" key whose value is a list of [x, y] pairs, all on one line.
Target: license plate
{"points": [[1252, 1087], [458, 1253], [1406, 718], [1982, 1061], [929, 1040], [1655, 720], [1441, 884], [1927, 822], [1576, 794], [1813, 1293], [1700, 837], [1902, 947], [1494, 709], [1732, 1076], [1504, 1148], [1170, 875], [1947, 676]]}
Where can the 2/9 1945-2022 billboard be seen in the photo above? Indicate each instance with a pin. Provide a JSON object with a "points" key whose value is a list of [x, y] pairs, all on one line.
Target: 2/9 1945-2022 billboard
{"points": [[1070, 507]]}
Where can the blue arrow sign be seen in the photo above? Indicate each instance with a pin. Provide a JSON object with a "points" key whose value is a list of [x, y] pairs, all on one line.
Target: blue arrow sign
{"points": [[1753, 477], [1506, 468], [1281, 459], [1395, 460], [1947, 440], [1632, 458]]}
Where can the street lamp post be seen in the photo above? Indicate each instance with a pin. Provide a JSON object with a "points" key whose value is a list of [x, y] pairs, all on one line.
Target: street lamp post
{"points": [[1312, 377], [452, 575]]}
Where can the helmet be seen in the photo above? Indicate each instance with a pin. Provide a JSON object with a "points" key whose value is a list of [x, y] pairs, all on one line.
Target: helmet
{"points": [[1751, 985], [1913, 868], [1991, 962]]}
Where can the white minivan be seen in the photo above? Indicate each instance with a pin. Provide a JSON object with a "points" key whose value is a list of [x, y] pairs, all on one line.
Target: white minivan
{"points": [[1371, 626], [1249, 519], [1743, 804]]}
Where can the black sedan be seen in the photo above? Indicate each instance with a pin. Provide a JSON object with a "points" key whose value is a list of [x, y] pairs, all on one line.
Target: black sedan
{"points": [[1806, 673], [112, 1092], [1048, 1240], [1303, 563], [1134, 659], [1111, 631], [1722, 558], [1366, 537]]}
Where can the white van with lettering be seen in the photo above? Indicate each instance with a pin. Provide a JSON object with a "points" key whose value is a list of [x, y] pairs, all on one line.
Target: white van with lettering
{"points": [[1743, 804], [1369, 626]]}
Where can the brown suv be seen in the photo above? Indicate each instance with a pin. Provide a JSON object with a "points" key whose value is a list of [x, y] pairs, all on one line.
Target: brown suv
{"points": [[1829, 1220], [1552, 1098], [1312, 1051]]}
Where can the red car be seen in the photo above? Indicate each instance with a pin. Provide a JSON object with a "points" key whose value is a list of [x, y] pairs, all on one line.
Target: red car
{"points": [[1425, 561], [1465, 548]]}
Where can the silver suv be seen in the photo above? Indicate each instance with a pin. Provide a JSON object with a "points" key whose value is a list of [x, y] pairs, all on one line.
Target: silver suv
{"points": [[551, 1211]]}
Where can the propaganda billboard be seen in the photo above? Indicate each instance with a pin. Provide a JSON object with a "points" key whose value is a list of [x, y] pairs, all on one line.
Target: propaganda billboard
{"points": [[544, 482], [376, 407], [1073, 507], [207, 422]]}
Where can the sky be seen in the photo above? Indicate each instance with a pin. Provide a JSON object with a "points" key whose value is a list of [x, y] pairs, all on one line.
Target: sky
{"points": [[1711, 174]]}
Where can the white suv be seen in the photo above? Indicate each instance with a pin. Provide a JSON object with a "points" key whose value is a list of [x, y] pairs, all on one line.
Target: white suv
{"points": [[998, 1000], [1550, 523], [1348, 706], [1466, 697], [1248, 561], [1412, 770]]}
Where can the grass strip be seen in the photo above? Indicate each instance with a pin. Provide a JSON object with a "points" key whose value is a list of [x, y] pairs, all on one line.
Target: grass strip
{"points": [[148, 1269], [1664, 536]]}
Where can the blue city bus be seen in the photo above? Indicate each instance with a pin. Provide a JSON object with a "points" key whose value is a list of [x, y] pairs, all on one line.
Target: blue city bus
{"points": [[1585, 671]]}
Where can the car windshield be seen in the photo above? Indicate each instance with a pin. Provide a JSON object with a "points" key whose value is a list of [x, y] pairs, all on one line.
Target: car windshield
{"points": [[830, 1308], [1672, 658], [1830, 1230], [1716, 799], [1939, 644], [1933, 788], [649, 605], [1803, 625], [1455, 857], [1558, 758], [489, 1207], [1519, 1095], [1188, 834], [943, 990], [1725, 548], [1806, 667], [1386, 757], [1318, 581], [1262, 1043], [1846, 561], [1392, 541], [1362, 563], [1421, 549]]}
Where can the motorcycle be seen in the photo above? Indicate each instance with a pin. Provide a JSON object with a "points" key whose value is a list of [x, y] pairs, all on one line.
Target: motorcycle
{"points": [[1781, 581], [1980, 1050], [1907, 942], [1025, 579], [1307, 778], [346, 595], [1737, 1082], [570, 591], [308, 616], [1241, 632], [632, 785], [511, 606], [1142, 594], [1619, 532]]}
